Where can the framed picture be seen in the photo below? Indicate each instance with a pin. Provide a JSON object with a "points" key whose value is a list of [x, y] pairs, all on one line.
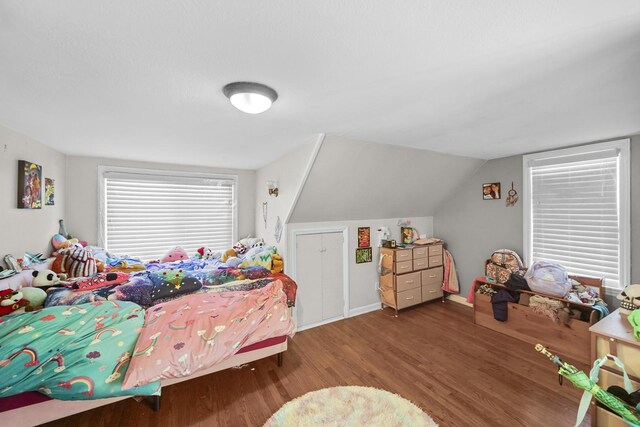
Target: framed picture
{"points": [[364, 237], [49, 192], [406, 233], [29, 185], [491, 191], [363, 255]]}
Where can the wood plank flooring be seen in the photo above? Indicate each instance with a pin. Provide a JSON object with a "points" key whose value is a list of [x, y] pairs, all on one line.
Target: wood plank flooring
{"points": [[433, 355]]}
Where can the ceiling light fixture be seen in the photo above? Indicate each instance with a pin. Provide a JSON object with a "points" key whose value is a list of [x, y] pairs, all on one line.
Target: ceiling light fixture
{"points": [[249, 97]]}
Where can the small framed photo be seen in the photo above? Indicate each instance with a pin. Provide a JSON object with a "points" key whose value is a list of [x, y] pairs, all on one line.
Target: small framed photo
{"points": [[364, 237], [406, 233], [491, 191], [363, 255]]}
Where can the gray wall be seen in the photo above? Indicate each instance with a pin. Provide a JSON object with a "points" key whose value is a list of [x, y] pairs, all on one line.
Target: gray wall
{"points": [[28, 229], [353, 180], [82, 195], [289, 171], [473, 228]]}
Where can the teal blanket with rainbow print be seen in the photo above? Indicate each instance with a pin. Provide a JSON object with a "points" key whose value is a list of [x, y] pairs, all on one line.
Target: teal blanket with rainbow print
{"points": [[71, 353]]}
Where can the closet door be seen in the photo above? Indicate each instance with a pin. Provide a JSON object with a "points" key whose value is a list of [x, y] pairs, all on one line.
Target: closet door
{"points": [[319, 270], [309, 279], [332, 286]]}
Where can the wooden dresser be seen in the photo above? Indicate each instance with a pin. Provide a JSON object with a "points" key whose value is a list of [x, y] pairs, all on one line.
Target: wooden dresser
{"points": [[614, 335], [411, 275]]}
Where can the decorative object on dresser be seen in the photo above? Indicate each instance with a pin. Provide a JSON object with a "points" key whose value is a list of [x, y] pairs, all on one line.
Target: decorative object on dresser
{"points": [[527, 324], [410, 275], [614, 335]]}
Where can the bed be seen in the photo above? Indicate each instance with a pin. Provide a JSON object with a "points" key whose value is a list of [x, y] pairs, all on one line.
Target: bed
{"points": [[163, 325]]}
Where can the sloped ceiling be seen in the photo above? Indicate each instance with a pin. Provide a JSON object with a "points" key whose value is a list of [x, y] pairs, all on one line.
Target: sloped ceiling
{"points": [[486, 78], [353, 180]]}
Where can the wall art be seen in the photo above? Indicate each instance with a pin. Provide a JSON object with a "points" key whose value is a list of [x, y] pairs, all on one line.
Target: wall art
{"points": [[363, 255], [49, 192], [29, 185], [491, 191]]}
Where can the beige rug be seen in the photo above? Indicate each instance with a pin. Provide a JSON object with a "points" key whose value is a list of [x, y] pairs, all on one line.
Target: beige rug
{"points": [[350, 406]]}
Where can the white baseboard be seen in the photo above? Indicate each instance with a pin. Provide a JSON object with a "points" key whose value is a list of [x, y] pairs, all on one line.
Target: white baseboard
{"points": [[460, 300], [365, 309]]}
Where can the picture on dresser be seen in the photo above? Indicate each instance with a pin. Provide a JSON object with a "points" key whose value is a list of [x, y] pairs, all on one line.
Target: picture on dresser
{"points": [[49, 192], [407, 235], [491, 191], [364, 237], [29, 185], [363, 255]]}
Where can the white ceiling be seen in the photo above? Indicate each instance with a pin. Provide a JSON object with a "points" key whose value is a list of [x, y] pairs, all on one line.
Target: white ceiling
{"points": [[484, 78]]}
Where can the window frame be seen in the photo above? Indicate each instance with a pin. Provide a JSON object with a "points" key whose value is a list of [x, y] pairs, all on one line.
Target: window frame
{"points": [[102, 196], [624, 199]]}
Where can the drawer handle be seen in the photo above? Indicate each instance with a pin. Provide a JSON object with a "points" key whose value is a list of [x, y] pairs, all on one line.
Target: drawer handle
{"points": [[433, 276], [432, 292], [404, 267], [409, 297], [409, 281]]}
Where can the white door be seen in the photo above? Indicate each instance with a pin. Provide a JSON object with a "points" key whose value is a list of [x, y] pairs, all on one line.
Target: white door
{"points": [[319, 269]]}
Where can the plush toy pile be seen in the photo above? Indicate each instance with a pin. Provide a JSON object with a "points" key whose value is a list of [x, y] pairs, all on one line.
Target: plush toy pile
{"points": [[79, 268]]}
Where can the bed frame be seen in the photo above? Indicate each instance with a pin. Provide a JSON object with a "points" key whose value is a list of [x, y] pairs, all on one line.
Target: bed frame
{"points": [[43, 412]]}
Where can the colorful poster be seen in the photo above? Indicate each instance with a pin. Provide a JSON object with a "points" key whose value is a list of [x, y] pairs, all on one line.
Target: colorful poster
{"points": [[363, 255], [364, 237], [29, 185], [49, 192]]}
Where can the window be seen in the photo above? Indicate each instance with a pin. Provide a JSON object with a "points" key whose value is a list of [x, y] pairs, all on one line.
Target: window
{"points": [[144, 213], [576, 210]]}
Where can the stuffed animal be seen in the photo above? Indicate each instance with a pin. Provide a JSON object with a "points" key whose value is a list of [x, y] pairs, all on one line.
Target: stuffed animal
{"points": [[233, 262], [35, 296], [255, 242], [75, 262], [241, 247], [229, 253], [11, 301], [175, 254], [58, 241], [45, 279], [277, 264], [100, 280], [204, 253]]}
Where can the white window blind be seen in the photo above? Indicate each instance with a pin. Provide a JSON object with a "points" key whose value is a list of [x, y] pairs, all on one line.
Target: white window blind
{"points": [[146, 214], [576, 211]]}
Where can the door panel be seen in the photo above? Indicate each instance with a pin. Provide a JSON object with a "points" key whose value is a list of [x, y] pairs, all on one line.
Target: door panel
{"points": [[332, 286], [309, 278], [319, 274]]}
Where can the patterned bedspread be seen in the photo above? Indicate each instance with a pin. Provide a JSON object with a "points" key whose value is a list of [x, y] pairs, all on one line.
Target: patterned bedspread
{"points": [[71, 353]]}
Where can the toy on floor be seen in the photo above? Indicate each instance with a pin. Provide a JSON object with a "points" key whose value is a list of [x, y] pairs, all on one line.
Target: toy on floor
{"points": [[175, 254], [11, 301]]}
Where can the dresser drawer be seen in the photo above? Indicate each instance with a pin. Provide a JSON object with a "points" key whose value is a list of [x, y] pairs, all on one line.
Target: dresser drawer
{"points": [[420, 263], [422, 252], [431, 291], [435, 250], [433, 275], [624, 351], [404, 267], [435, 260], [409, 298], [403, 255], [405, 282]]}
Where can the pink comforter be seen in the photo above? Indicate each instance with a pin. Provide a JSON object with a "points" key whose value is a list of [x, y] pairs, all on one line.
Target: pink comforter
{"points": [[198, 331]]}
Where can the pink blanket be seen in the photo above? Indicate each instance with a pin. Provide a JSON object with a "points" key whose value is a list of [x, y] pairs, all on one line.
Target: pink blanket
{"points": [[198, 331]]}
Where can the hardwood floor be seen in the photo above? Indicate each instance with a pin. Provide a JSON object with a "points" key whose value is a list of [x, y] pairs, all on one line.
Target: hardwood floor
{"points": [[433, 355]]}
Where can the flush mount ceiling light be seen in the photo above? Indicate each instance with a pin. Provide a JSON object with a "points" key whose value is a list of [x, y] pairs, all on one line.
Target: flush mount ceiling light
{"points": [[252, 98]]}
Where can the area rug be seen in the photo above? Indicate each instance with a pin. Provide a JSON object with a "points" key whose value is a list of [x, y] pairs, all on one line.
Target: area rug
{"points": [[350, 406]]}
